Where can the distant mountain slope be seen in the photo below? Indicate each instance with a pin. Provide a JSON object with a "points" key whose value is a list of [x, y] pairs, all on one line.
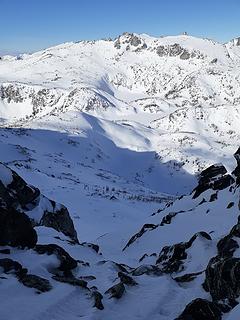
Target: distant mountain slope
{"points": [[185, 88]]}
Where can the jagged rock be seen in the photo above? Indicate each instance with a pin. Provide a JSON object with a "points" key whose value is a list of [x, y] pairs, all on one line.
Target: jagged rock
{"points": [[147, 269], [67, 263], [16, 229], [214, 60], [33, 281], [171, 257], [168, 218], [15, 193], [59, 219], [230, 205], [188, 277], [236, 171], [185, 55], [215, 178], [213, 197], [223, 278], [145, 228], [93, 246], [135, 41], [124, 278], [116, 291], [201, 309], [97, 296], [10, 265], [71, 280]]}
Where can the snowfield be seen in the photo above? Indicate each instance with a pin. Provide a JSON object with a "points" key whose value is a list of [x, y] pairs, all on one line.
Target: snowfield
{"points": [[118, 132]]}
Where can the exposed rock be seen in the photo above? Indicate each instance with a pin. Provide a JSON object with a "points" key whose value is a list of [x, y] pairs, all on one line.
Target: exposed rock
{"points": [[124, 278], [214, 60], [147, 269], [33, 281], [188, 277], [71, 280], [201, 309], [168, 218], [67, 263], [16, 229], [223, 278], [144, 229], [17, 194], [215, 178], [185, 55], [230, 205], [93, 246], [97, 296], [10, 265], [135, 41], [171, 257], [59, 219], [236, 171], [116, 291]]}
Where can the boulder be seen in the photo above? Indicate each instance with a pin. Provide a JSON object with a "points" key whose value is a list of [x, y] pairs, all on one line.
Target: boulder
{"points": [[16, 229], [97, 296], [215, 177], [201, 309], [67, 263], [116, 291], [36, 282]]}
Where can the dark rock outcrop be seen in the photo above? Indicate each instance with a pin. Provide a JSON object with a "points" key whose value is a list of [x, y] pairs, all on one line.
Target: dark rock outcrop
{"points": [[36, 282], [188, 277], [97, 297], [145, 228], [215, 177], [60, 220], [201, 309], [67, 263], [16, 229], [236, 171], [171, 258], [116, 291], [17, 194], [126, 279], [71, 280]]}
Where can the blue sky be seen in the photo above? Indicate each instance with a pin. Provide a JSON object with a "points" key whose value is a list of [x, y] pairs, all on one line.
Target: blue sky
{"points": [[29, 25]]}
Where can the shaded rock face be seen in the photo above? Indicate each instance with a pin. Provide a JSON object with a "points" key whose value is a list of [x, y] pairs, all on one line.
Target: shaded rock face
{"points": [[60, 220], [145, 228], [116, 291], [223, 271], [67, 263], [201, 309], [16, 229], [236, 171], [36, 282], [16, 193], [171, 258], [215, 177]]}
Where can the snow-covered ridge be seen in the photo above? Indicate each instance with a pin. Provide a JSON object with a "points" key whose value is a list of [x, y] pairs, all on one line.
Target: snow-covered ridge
{"points": [[180, 86]]}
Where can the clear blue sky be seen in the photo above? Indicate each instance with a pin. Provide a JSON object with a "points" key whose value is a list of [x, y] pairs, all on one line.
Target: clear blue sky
{"points": [[28, 25]]}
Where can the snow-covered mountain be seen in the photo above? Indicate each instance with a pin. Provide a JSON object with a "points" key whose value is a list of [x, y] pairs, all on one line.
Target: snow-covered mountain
{"points": [[115, 131]]}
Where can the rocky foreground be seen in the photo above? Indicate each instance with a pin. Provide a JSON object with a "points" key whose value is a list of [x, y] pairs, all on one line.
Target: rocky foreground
{"points": [[40, 251]]}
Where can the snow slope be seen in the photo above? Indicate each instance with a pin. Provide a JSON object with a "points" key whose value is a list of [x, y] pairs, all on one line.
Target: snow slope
{"points": [[114, 130]]}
